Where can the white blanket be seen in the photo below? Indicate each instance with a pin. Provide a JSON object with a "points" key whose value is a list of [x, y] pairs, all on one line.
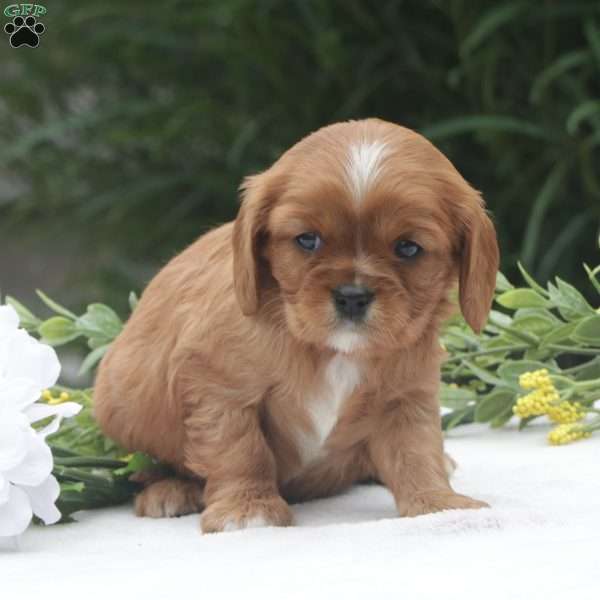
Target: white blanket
{"points": [[540, 539]]}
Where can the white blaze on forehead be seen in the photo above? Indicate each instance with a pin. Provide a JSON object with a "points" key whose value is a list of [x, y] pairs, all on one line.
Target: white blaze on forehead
{"points": [[363, 166]]}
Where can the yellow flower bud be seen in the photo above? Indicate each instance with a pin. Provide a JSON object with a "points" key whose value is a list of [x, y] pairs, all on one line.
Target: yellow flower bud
{"points": [[567, 433]]}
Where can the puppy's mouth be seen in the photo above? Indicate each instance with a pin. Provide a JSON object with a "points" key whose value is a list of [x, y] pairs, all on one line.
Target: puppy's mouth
{"points": [[351, 303], [347, 337]]}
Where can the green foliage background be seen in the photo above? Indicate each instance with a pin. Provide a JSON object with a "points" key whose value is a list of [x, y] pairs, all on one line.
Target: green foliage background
{"points": [[126, 133]]}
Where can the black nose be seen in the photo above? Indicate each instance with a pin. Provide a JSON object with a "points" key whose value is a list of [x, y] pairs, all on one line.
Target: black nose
{"points": [[351, 301]]}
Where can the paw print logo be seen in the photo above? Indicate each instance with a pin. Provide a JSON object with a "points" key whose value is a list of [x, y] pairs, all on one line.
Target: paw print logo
{"points": [[24, 32]]}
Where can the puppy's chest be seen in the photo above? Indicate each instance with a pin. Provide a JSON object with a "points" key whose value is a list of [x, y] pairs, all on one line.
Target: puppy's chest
{"points": [[325, 403]]}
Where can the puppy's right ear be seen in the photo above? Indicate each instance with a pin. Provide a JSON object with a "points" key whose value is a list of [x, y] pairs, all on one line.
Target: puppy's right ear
{"points": [[250, 228], [479, 265]]}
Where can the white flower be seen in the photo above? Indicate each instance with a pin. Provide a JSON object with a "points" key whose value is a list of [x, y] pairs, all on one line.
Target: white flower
{"points": [[27, 486]]}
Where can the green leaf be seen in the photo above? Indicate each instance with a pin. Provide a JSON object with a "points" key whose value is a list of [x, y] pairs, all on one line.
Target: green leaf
{"points": [[492, 20], [26, 318], [588, 331], [500, 319], [535, 322], [456, 397], [592, 34], [570, 302], [564, 63], [592, 275], [55, 306], [502, 283], [511, 370], [494, 404], [97, 342], [546, 196], [514, 333], [478, 123], [531, 282], [72, 487], [584, 111], [521, 298], [570, 232], [93, 358], [499, 341], [139, 462], [482, 374], [537, 354], [100, 323], [575, 296], [502, 418], [559, 334], [591, 370], [56, 128], [455, 342], [57, 331], [458, 417]]}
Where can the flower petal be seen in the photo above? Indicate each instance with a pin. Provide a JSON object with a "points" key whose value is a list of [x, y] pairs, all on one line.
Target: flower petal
{"points": [[27, 358], [42, 499], [39, 411], [15, 515], [37, 464], [3, 489], [13, 445], [9, 320], [49, 429], [3, 354], [18, 393]]}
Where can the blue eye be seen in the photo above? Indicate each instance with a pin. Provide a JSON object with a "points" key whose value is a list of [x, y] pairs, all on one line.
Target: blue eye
{"points": [[309, 241], [407, 249]]}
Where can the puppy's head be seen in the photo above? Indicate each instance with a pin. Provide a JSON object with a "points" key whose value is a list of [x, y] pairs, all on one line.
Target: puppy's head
{"points": [[360, 230]]}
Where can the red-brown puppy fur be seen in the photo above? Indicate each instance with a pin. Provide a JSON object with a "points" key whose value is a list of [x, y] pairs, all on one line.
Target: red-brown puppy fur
{"points": [[235, 369]]}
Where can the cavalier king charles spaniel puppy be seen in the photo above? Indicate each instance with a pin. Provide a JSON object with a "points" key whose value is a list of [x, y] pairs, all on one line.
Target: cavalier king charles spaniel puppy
{"points": [[293, 352]]}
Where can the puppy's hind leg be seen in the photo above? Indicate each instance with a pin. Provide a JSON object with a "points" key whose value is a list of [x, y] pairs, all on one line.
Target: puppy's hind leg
{"points": [[171, 497]]}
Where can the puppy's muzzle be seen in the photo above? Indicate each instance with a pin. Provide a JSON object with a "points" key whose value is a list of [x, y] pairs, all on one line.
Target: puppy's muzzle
{"points": [[352, 301]]}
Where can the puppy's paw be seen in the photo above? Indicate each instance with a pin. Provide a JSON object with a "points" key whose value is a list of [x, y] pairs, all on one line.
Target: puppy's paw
{"points": [[231, 515], [436, 501], [169, 498]]}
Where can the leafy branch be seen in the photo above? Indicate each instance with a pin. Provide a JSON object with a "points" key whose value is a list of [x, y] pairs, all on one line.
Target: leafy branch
{"points": [[552, 328]]}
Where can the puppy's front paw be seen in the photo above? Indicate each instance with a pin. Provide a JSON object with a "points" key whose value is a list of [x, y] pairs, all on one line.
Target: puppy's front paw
{"points": [[436, 501], [230, 515], [169, 498]]}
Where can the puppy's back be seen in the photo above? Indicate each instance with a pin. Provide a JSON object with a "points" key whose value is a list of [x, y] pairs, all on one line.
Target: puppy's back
{"points": [[134, 401]]}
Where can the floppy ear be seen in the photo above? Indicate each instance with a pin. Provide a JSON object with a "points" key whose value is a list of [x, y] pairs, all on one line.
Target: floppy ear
{"points": [[478, 266], [249, 228]]}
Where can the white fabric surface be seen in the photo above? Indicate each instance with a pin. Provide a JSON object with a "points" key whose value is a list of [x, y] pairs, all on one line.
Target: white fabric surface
{"points": [[540, 539]]}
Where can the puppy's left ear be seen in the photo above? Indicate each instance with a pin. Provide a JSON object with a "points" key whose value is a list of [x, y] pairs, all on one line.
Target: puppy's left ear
{"points": [[250, 227], [478, 264]]}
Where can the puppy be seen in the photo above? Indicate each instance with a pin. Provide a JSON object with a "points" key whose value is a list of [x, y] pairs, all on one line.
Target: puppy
{"points": [[295, 351]]}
